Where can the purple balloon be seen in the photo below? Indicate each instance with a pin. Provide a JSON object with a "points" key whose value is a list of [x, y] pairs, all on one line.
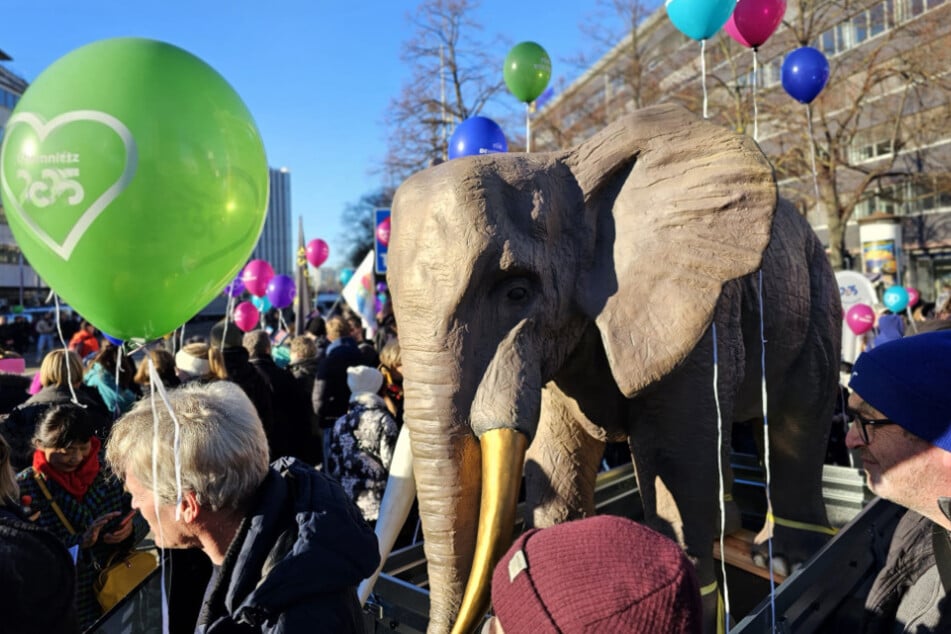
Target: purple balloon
{"points": [[381, 287], [235, 288], [281, 291]]}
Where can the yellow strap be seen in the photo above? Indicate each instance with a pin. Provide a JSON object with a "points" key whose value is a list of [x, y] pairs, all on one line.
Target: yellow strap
{"points": [[727, 497], [803, 526], [56, 509], [707, 589], [721, 615]]}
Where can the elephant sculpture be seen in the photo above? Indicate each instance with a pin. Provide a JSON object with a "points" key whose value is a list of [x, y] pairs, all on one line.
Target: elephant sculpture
{"points": [[548, 303]]}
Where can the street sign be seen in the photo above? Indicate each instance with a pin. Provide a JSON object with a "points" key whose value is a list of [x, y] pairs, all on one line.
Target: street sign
{"points": [[381, 239]]}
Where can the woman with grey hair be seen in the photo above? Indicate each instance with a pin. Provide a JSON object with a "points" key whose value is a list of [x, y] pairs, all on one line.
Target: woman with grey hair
{"points": [[288, 548]]}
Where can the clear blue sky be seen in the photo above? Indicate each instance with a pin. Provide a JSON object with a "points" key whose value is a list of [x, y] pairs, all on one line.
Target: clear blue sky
{"points": [[317, 75]]}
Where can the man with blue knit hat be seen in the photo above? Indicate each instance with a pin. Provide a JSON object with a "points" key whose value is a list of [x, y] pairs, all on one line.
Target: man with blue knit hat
{"points": [[901, 425]]}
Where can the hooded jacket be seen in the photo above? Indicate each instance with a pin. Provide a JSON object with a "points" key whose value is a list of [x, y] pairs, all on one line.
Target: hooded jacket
{"points": [[909, 595], [295, 561]]}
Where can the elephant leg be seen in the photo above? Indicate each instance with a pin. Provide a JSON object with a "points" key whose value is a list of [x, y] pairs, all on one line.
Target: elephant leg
{"points": [[798, 435], [676, 453], [561, 464]]}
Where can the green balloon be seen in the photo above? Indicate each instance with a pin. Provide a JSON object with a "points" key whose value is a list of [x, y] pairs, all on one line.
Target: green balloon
{"points": [[527, 71], [135, 182]]}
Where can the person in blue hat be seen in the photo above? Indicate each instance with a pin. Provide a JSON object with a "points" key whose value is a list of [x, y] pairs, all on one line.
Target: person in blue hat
{"points": [[900, 408]]}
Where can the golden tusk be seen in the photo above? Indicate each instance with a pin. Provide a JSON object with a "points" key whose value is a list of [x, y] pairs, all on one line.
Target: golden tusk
{"points": [[503, 457]]}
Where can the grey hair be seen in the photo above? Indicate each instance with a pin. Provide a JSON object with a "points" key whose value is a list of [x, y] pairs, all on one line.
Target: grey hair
{"points": [[224, 452]]}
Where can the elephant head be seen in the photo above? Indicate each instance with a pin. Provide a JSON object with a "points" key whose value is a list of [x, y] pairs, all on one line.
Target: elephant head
{"points": [[497, 266]]}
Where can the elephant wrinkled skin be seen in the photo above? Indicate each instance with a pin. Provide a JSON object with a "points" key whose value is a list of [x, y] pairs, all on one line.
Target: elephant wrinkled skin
{"points": [[576, 297]]}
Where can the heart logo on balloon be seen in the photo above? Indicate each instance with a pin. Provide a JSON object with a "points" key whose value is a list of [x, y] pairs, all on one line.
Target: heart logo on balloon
{"points": [[60, 186]]}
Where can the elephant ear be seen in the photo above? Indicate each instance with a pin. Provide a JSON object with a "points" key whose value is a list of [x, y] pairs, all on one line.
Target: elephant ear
{"points": [[674, 207]]}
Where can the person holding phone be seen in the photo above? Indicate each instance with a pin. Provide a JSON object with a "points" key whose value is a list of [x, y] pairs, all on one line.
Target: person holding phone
{"points": [[77, 499]]}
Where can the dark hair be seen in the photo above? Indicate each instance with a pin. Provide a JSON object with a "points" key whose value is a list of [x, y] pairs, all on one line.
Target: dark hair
{"points": [[107, 357], [62, 425], [316, 326]]}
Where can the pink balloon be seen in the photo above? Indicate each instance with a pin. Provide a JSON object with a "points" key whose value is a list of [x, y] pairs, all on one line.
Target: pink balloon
{"points": [[913, 295], [757, 20], [383, 232], [860, 318], [256, 275], [317, 252], [246, 316], [730, 28]]}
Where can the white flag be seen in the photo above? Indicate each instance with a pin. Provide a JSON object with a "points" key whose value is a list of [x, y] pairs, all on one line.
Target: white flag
{"points": [[360, 294]]}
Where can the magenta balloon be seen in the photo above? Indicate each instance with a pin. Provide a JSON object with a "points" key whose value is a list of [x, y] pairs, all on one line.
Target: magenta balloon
{"points": [[860, 318], [317, 252], [730, 28], [383, 232], [757, 20], [256, 275], [246, 316], [913, 295], [281, 291]]}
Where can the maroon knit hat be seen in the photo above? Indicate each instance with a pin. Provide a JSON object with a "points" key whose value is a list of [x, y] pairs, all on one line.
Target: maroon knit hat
{"points": [[600, 574]]}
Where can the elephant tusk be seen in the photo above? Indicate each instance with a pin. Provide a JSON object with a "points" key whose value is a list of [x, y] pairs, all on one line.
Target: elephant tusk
{"points": [[503, 457]]}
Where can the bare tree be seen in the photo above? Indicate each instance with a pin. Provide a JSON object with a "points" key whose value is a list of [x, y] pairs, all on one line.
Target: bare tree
{"points": [[359, 219], [886, 98], [453, 78]]}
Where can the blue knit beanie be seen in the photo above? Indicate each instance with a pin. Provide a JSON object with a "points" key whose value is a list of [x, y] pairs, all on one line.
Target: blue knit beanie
{"points": [[909, 381]]}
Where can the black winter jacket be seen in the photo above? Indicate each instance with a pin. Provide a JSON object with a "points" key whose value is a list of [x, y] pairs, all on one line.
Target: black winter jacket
{"points": [[292, 410], [295, 562]]}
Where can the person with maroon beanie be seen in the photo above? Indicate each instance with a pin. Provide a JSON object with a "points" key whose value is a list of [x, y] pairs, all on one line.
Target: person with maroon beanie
{"points": [[599, 574]]}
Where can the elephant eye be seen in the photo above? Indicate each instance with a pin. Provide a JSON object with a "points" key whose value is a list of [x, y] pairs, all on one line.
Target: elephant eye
{"points": [[517, 294]]}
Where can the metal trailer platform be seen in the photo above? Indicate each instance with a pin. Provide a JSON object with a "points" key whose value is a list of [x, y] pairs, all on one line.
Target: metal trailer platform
{"points": [[826, 595]]}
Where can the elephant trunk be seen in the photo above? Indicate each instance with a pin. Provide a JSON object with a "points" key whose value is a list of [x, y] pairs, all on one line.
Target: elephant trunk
{"points": [[446, 466]]}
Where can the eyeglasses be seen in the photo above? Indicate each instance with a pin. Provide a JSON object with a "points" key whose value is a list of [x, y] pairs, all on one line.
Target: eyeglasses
{"points": [[865, 422]]}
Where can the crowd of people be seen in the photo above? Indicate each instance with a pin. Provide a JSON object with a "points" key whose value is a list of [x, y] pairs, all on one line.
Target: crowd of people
{"points": [[329, 412], [282, 464]]}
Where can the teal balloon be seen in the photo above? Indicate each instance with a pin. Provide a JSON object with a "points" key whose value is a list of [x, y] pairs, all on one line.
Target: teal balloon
{"points": [[345, 275], [895, 298], [263, 304], [527, 71], [699, 19], [135, 181]]}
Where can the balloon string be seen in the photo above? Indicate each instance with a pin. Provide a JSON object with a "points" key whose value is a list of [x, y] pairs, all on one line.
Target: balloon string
{"points": [[812, 143], [62, 340], [228, 317], [755, 105], [769, 502], [155, 501], [703, 74], [719, 449], [116, 410], [528, 127]]}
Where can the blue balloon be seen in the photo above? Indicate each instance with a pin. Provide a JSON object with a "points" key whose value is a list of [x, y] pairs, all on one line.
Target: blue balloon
{"points": [[805, 73], [699, 19], [345, 275], [895, 298], [112, 340], [477, 135]]}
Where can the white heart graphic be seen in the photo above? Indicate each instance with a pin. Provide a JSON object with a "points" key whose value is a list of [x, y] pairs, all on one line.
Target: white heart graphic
{"points": [[43, 130]]}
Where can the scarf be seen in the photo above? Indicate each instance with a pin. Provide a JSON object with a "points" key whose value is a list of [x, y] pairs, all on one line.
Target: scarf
{"points": [[76, 482]]}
